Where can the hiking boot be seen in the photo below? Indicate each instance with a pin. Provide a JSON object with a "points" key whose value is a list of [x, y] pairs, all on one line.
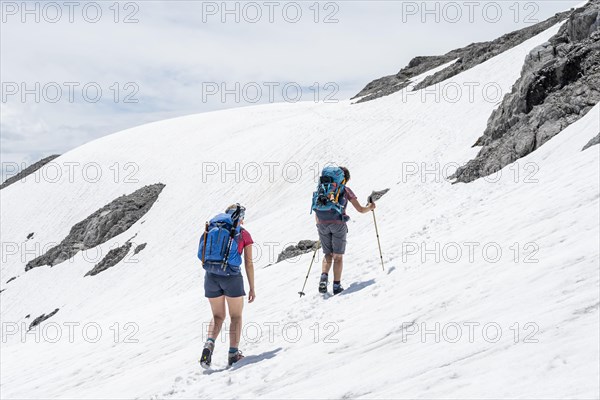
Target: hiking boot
{"points": [[323, 284], [206, 358], [234, 357], [337, 288]]}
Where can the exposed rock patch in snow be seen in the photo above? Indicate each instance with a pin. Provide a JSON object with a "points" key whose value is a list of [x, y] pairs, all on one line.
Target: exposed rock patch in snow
{"points": [[111, 259], [28, 171], [593, 142], [139, 248], [303, 246], [41, 319], [467, 58], [106, 223]]}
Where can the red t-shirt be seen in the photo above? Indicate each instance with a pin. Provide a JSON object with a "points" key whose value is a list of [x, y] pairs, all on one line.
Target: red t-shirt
{"points": [[246, 240], [349, 194]]}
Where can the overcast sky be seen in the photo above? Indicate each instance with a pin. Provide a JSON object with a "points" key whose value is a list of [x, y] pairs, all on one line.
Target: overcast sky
{"points": [[159, 59]]}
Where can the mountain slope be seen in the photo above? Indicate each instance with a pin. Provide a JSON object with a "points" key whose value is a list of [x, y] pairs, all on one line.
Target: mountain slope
{"points": [[376, 353], [468, 57], [559, 84]]}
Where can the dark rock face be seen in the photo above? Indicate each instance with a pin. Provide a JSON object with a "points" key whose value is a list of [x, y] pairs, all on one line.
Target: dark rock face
{"points": [[559, 84], [106, 223], [467, 58], [41, 319], [593, 142], [303, 246], [139, 248], [28, 171], [111, 259], [11, 279]]}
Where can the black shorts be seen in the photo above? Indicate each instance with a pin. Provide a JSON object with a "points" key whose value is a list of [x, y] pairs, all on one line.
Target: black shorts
{"points": [[217, 285]]}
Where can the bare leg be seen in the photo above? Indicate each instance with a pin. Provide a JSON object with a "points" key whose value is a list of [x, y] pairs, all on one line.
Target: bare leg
{"points": [[327, 261], [338, 266], [235, 305], [217, 305]]}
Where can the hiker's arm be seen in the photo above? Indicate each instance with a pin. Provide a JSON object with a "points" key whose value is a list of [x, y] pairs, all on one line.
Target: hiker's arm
{"points": [[361, 209], [249, 271]]}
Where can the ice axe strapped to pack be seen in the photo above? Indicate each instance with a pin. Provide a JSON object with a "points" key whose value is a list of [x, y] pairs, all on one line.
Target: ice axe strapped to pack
{"points": [[235, 217]]}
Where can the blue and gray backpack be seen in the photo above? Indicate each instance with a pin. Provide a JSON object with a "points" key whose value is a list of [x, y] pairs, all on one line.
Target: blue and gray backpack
{"points": [[329, 190], [218, 249]]}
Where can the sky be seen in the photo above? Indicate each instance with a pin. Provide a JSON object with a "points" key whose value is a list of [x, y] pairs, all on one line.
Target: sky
{"points": [[75, 71]]}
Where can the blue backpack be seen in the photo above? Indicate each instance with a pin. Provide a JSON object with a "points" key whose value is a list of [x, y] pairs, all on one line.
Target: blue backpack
{"points": [[330, 188], [218, 243]]}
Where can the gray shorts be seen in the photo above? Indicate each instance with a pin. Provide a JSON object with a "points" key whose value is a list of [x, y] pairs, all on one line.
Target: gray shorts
{"points": [[333, 238], [217, 285]]}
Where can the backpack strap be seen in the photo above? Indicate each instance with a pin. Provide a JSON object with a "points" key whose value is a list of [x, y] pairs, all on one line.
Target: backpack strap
{"points": [[337, 195]]}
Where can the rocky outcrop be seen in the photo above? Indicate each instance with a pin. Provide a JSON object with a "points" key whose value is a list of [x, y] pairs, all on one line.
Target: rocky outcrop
{"points": [[303, 246], [593, 142], [394, 83], [106, 223], [11, 279], [111, 259], [28, 171], [467, 58], [41, 319], [559, 84]]}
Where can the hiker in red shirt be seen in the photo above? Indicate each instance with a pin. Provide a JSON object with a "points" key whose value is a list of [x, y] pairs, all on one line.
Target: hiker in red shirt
{"points": [[223, 281]]}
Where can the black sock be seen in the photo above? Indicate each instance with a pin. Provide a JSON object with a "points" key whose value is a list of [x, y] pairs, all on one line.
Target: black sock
{"points": [[324, 273], [336, 282]]}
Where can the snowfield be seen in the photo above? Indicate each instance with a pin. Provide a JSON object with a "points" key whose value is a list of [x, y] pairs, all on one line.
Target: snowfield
{"points": [[491, 289]]}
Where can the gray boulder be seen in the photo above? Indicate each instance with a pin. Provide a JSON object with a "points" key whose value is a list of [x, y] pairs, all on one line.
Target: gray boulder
{"points": [[303, 246]]}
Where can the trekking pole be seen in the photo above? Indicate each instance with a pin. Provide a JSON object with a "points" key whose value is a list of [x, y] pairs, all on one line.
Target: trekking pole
{"points": [[301, 293], [378, 242], [375, 196]]}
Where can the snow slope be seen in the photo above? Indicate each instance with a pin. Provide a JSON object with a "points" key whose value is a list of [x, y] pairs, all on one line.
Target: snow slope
{"points": [[550, 210]]}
